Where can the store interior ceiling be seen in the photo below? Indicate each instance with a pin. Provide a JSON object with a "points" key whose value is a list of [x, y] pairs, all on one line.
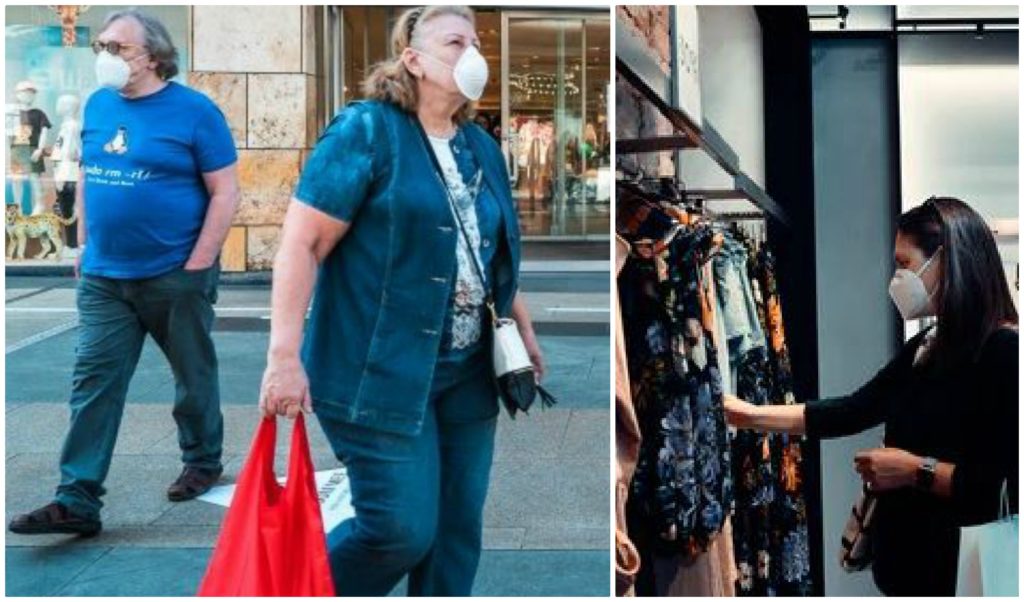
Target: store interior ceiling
{"points": [[958, 66], [912, 18], [534, 48], [533, 52]]}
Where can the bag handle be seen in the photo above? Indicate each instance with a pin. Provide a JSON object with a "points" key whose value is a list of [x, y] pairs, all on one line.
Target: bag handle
{"points": [[300, 464], [262, 454], [489, 300], [1004, 502]]}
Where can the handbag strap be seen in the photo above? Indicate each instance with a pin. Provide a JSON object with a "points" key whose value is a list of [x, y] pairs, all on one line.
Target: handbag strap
{"points": [[489, 300], [1004, 502]]}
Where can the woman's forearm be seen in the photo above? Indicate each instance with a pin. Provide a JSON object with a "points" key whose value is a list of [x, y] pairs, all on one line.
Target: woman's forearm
{"points": [[942, 485], [522, 316], [294, 275], [307, 237], [776, 419]]}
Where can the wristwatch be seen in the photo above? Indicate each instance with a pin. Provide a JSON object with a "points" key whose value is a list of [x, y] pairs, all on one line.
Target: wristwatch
{"points": [[926, 474]]}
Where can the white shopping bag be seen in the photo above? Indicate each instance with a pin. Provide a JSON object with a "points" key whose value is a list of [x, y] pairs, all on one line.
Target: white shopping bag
{"points": [[332, 488], [988, 556]]}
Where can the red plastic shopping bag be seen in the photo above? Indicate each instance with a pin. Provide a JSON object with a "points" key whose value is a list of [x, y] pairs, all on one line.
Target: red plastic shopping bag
{"points": [[272, 542]]}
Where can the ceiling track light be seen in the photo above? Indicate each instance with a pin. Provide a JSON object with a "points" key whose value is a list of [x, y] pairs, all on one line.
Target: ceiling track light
{"points": [[979, 27], [840, 17]]}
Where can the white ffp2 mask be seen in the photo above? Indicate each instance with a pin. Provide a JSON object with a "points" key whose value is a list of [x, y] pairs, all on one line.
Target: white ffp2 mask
{"points": [[909, 293], [112, 71], [470, 72]]}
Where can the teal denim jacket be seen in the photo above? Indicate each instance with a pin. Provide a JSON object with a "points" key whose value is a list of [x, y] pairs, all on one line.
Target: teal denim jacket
{"points": [[374, 329]]}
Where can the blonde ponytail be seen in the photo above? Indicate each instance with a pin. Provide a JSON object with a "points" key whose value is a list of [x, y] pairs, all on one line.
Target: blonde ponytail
{"points": [[390, 81]]}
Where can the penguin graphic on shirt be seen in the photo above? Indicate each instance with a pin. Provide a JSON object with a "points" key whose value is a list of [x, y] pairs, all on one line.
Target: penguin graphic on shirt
{"points": [[119, 144]]}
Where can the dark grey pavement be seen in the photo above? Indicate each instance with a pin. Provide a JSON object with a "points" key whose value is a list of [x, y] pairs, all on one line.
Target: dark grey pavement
{"points": [[547, 516]]}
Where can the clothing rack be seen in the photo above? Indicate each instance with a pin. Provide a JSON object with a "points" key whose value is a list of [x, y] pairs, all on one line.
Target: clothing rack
{"points": [[640, 71], [694, 201], [696, 267], [644, 191], [741, 216]]}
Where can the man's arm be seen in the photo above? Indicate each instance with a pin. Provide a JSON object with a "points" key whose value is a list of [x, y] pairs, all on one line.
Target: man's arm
{"points": [[223, 188], [80, 206], [80, 216]]}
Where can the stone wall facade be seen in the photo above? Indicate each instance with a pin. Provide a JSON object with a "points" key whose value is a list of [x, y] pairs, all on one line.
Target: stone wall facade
{"points": [[635, 118], [258, 63]]}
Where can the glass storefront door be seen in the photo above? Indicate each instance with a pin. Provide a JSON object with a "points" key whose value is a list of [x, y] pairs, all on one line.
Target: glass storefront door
{"points": [[555, 73], [546, 101]]}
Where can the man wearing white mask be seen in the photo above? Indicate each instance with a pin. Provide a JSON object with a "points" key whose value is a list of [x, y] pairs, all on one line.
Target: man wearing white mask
{"points": [[156, 195]]}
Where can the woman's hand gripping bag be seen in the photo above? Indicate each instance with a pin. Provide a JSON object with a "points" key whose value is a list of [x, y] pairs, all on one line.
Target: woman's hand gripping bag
{"points": [[272, 542]]}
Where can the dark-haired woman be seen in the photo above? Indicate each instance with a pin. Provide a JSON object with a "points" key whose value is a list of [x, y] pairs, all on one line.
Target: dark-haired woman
{"points": [[948, 401]]}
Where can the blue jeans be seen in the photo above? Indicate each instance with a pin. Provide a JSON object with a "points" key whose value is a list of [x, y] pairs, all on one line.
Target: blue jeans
{"points": [[176, 309], [418, 499]]}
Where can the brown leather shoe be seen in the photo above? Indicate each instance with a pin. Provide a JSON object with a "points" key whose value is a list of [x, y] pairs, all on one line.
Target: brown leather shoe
{"points": [[192, 483], [54, 518]]}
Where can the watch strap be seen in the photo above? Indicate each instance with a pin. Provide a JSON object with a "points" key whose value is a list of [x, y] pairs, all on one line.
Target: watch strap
{"points": [[926, 474]]}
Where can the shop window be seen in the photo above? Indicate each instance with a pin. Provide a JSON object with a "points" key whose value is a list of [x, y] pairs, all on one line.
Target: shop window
{"points": [[546, 103], [49, 75]]}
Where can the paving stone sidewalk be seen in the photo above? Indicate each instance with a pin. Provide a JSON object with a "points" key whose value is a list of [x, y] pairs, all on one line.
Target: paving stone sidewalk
{"points": [[546, 519]]}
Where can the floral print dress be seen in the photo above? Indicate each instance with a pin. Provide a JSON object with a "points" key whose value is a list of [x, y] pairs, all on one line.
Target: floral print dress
{"points": [[681, 492], [770, 533]]}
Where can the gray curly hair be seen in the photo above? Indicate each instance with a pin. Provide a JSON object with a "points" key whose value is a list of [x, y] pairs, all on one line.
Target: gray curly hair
{"points": [[158, 40]]}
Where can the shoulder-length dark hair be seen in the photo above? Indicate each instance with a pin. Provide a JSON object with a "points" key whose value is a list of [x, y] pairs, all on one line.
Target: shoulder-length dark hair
{"points": [[973, 299]]}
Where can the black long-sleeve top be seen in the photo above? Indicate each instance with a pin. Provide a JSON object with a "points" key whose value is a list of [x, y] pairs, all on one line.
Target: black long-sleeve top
{"points": [[966, 417]]}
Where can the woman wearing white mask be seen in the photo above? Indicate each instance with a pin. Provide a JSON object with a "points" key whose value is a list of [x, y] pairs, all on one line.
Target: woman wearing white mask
{"points": [[405, 254], [948, 402]]}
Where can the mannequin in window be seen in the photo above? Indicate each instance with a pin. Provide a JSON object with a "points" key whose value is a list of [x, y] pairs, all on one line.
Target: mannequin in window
{"points": [[67, 151], [27, 143]]}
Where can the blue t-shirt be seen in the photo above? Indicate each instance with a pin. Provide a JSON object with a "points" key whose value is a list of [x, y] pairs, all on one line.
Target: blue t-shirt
{"points": [[467, 317], [143, 161]]}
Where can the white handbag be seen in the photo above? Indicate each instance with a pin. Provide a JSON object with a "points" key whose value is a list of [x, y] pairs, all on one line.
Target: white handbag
{"points": [[513, 370]]}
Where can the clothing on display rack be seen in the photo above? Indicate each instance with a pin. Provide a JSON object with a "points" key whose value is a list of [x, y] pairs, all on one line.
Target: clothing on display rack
{"points": [[533, 152], [556, 157], [701, 315], [681, 484], [681, 492], [25, 141], [627, 445], [770, 521], [66, 156]]}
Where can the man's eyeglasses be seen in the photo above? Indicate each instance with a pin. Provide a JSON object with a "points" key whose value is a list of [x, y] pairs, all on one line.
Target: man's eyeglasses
{"points": [[112, 47]]}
